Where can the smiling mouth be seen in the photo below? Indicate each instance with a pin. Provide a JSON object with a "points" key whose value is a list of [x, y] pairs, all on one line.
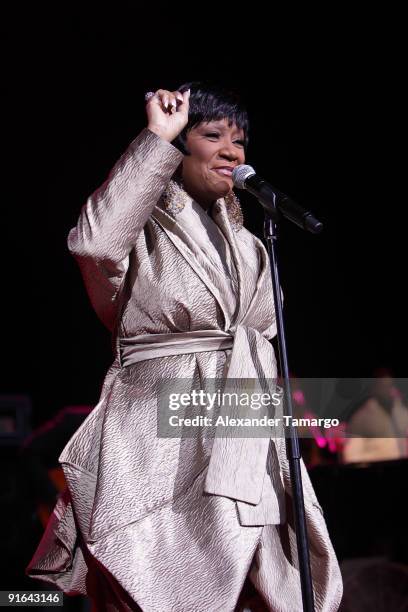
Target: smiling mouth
{"points": [[224, 171]]}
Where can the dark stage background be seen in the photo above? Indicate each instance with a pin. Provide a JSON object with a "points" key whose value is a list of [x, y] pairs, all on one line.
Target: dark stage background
{"points": [[324, 96], [322, 111]]}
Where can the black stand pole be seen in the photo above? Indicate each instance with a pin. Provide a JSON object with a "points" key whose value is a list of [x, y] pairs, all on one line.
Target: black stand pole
{"points": [[293, 451]]}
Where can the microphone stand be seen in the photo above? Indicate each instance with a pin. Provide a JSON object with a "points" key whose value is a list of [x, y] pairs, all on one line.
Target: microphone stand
{"points": [[293, 450]]}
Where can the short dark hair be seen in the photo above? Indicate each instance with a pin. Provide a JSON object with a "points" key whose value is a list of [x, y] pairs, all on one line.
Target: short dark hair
{"points": [[210, 102]]}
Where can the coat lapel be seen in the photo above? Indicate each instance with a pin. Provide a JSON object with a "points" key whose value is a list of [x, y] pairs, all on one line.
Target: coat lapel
{"points": [[220, 217], [247, 288], [192, 254], [261, 283]]}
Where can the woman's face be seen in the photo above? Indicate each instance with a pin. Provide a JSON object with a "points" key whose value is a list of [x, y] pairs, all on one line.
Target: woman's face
{"points": [[215, 149]]}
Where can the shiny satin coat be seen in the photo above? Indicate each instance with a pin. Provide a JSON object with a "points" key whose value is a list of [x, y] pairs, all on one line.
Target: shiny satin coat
{"points": [[178, 523]]}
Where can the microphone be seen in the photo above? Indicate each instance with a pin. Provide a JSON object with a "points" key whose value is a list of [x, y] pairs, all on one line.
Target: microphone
{"points": [[245, 177]]}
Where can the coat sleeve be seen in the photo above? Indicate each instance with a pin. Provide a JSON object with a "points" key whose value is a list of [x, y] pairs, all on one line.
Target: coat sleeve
{"points": [[115, 214]]}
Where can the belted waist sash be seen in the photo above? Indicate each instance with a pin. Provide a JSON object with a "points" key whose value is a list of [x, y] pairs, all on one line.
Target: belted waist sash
{"points": [[152, 346], [237, 465]]}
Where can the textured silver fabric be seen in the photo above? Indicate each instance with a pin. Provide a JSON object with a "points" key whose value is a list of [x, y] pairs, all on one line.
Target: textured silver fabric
{"points": [[149, 346], [153, 513]]}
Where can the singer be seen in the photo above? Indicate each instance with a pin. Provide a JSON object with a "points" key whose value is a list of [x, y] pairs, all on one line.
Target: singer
{"points": [[169, 524]]}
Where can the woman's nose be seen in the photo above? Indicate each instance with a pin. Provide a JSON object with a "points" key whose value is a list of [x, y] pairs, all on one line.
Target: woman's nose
{"points": [[228, 150]]}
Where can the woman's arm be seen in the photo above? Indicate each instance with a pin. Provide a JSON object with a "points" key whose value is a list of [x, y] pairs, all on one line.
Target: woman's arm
{"points": [[116, 213]]}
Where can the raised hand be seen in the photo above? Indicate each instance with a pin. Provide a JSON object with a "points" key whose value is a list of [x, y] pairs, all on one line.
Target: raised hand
{"points": [[167, 113]]}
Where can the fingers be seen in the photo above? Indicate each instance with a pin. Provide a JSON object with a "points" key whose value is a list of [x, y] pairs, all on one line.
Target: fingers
{"points": [[167, 113], [170, 101], [183, 107]]}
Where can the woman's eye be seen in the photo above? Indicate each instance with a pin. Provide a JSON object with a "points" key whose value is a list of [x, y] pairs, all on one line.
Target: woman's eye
{"points": [[240, 142], [212, 135]]}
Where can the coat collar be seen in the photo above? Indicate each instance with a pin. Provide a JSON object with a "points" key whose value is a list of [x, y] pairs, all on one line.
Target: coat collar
{"points": [[175, 198], [229, 221]]}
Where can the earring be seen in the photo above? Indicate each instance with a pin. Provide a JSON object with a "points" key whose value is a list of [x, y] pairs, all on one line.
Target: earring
{"points": [[234, 211]]}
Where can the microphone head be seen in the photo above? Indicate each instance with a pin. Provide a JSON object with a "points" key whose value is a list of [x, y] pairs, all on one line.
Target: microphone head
{"points": [[240, 174]]}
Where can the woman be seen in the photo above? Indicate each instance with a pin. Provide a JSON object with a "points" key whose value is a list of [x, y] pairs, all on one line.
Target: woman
{"points": [[178, 524]]}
